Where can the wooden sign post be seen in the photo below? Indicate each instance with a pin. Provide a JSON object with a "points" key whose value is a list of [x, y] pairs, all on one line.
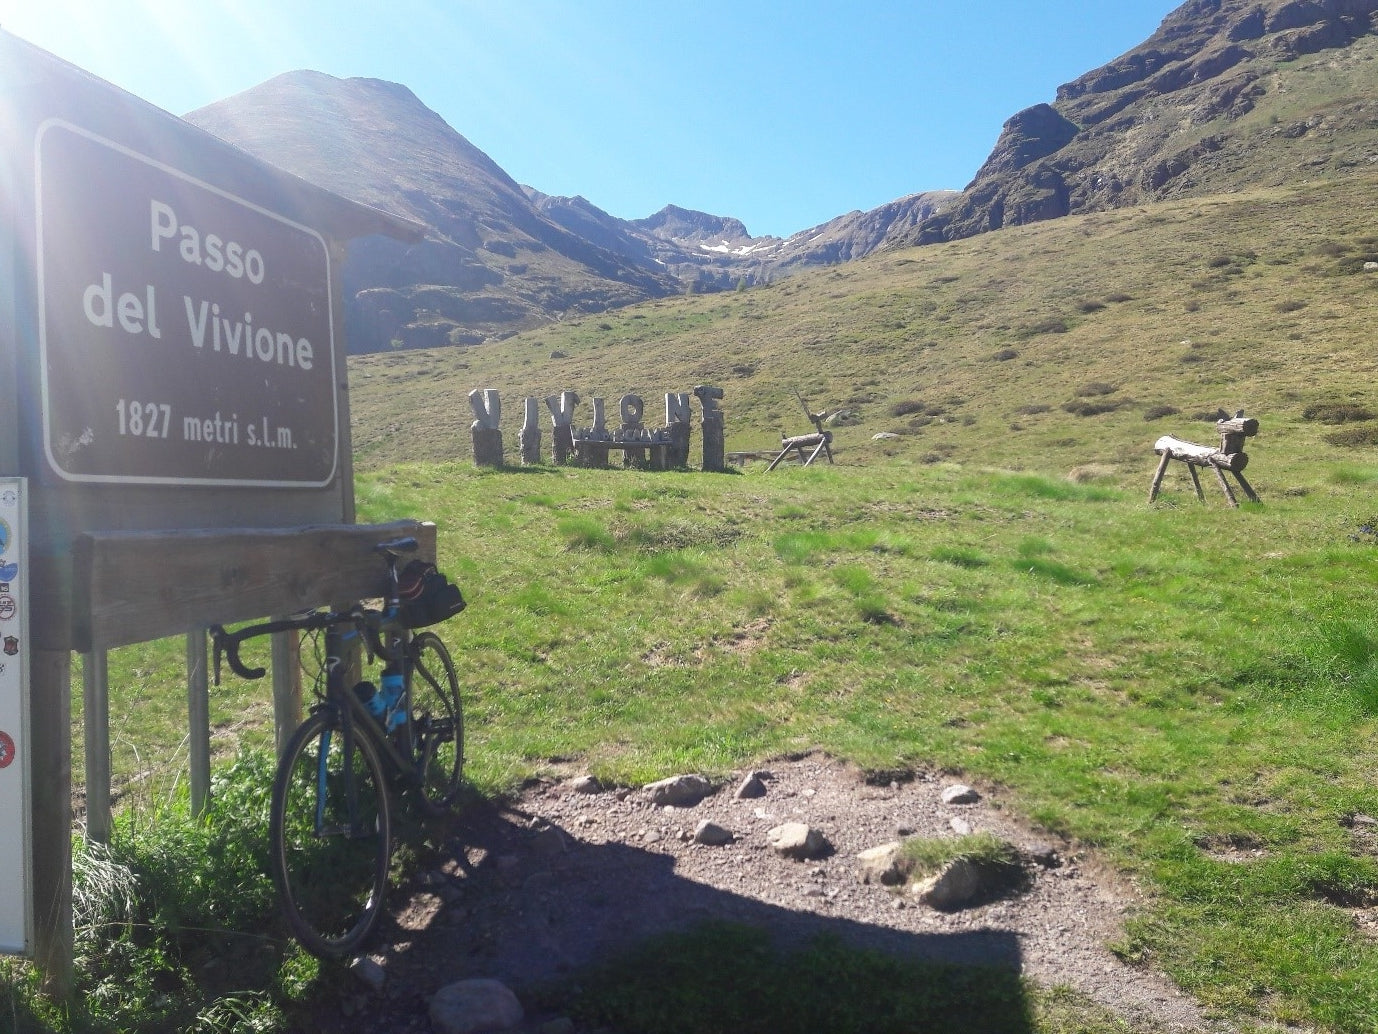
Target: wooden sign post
{"points": [[173, 388]]}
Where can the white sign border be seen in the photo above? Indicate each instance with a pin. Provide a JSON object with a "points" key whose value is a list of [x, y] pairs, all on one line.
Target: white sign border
{"points": [[12, 939], [121, 479]]}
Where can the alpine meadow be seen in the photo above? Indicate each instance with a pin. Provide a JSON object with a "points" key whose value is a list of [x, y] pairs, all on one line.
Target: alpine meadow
{"points": [[1182, 692]]}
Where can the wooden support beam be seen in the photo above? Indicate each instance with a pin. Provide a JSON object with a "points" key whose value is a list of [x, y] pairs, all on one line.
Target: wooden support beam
{"points": [[96, 719], [286, 686], [132, 587]]}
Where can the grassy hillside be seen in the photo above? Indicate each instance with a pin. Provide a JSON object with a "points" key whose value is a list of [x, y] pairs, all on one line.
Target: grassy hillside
{"points": [[1188, 690], [982, 351]]}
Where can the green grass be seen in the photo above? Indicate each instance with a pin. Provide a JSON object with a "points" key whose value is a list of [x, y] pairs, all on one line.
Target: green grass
{"points": [[989, 593]]}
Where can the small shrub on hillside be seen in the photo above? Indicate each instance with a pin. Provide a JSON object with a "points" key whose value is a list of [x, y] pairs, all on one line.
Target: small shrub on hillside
{"points": [[1033, 409], [1354, 437], [1335, 413], [1331, 249], [1220, 262], [1005, 355], [1088, 307], [1158, 412], [1095, 388], [908, 406], [1291, 305], [1118, 297], [1083, 407], [1354, 264], [1054, 325]]}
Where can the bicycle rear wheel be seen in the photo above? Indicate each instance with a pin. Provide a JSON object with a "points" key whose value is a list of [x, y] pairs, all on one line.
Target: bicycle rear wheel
{"points": [[330, 836], [437, 723]]}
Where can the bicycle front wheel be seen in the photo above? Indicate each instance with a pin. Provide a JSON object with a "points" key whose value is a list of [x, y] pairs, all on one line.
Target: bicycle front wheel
{"points": [[330, 836], [437, 723]]}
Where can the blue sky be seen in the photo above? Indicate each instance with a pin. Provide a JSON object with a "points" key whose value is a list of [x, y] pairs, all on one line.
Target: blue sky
{"points": [[782, 113]]}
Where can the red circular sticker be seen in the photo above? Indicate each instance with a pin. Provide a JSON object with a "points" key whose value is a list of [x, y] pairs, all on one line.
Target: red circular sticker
{"points": [[6, 749]]}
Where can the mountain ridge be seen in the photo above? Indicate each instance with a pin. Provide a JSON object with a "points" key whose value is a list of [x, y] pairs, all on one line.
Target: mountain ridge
{"points": [[1217, 98]]}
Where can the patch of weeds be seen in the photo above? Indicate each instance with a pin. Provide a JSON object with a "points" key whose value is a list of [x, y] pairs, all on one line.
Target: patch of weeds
{"points": [[1005, 355], [1094, 389], [1158, 412], [959, 556], [1291, 305], [1033, 409], [1354, 437], [1053, 325], [915, 406], [1053, 571], [1119, 297], [1083, 407], [1336, 412], [928, 855], [1088, 307], [585, 533]]}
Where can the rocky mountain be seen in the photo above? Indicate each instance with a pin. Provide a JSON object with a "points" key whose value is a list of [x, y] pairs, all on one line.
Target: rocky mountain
{"points": [[716, 253], [1226, 94], [498, 257], [491, 263]]}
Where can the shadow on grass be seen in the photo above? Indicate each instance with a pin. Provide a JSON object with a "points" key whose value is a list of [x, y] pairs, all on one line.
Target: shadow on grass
{"points": [[548, 914]]}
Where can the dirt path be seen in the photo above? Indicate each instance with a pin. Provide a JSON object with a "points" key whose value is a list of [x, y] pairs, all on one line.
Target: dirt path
{"points": [[561, 878]]}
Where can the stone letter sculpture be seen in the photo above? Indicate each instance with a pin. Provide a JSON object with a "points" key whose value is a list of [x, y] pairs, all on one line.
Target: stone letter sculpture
{"points": [[714, 435], [531, 432], [487, 407], [631, 408], [561, 408], [677, 424]]}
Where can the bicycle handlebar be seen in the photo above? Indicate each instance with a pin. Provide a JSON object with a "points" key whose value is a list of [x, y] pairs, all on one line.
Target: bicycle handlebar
{"points": [[367, 622]]}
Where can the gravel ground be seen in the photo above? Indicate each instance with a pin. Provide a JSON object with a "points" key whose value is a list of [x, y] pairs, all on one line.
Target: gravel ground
{"points": [[557, 879]]}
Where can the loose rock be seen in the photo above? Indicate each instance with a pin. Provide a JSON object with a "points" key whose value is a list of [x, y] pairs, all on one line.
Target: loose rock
{"points": [[883, 865], [957, 885], [752, 786], [959, 793], [798, 841], [369, 972], [711, 834], [681, 791], [475, 1005]]}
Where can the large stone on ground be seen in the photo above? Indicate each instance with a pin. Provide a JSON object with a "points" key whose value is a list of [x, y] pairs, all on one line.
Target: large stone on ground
{"points": [[470, 1006]]}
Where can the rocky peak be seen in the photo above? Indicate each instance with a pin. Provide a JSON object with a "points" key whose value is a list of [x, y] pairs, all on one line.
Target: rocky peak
{"points": [[682, 224], [1032, 134], [1162, 120]]}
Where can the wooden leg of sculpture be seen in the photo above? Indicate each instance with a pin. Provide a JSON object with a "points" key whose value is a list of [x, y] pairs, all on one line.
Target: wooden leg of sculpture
{"points": [[1248, 488], [1225, 487], [1196, 480], [1158, 476]]}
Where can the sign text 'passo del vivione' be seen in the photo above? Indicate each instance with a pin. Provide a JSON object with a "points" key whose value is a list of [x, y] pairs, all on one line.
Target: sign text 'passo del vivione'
{"points": [[186, 334]]}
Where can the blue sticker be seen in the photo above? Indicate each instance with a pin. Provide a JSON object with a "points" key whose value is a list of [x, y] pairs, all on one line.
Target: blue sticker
{"points": [[4, 535], [8, 572]]}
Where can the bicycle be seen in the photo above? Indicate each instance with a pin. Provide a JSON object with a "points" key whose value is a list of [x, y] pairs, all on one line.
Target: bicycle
{"points": [[330, 825]]}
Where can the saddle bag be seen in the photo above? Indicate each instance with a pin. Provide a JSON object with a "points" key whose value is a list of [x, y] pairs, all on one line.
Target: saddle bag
{"points": [[426, 596]]}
